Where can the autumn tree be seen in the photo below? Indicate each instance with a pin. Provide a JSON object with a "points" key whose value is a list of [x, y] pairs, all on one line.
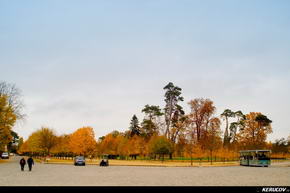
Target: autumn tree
{"points": [[31, 145], [194, 150], [47, 139], [181, 145], [110, 144], [82, 141], [202, 113], [23, 148], [161, 146], [121, 146], [254, 133], [211, 138], [116, 133], [62, 147], [7, 121], [14, 99], [172, 97], [10, 111], [135, 146]]}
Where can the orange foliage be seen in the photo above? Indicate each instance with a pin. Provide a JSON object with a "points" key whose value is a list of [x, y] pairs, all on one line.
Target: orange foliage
{"points": [[62, 146], [194, 151], [202, 111], [253, 136], [82, 141], [109, 145], [137, 145]]}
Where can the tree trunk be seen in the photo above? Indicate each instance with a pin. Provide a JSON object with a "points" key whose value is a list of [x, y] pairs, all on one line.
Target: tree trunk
{"points": [[211, 157], [226, 135], [191, 159]]}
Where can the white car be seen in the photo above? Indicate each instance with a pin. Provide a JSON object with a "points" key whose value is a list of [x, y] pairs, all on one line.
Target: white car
{"points": [[5, 155]]}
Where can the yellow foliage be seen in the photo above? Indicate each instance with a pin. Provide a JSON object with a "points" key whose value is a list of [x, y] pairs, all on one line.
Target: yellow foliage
{"points": [[110, 145], [253, 135], [31, 144], [7, 121], [62, 145], [82, 141]]}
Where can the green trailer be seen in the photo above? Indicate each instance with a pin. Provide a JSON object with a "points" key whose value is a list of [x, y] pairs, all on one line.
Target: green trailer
{"points": [[255, 158]]}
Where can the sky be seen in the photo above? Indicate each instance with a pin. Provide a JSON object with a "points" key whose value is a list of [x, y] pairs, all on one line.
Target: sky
{"points": [[98, 62]]}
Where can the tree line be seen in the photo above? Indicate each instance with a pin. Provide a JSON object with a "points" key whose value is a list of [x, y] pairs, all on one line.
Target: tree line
{"points": [[163, 132]]}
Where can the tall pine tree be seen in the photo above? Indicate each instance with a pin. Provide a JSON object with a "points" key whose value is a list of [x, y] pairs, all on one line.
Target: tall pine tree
{"points": [[134, 126], [172, 97]]}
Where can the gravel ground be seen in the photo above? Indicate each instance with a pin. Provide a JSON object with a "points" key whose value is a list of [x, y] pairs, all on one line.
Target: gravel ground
{"points": [[92, 175]]}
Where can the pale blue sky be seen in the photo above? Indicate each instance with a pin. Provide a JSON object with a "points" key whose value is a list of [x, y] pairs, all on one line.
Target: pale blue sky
{"points": [[97, 63]]}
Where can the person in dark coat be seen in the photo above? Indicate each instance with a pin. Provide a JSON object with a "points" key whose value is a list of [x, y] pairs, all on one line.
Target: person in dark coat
{"points": [[22, 163], [30, 162]]}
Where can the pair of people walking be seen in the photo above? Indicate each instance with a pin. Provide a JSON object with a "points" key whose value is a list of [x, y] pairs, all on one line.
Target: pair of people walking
{"points": [[30, 162]]}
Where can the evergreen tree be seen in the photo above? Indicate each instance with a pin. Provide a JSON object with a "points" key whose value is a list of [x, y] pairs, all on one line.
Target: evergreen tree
{"points": [[134, 126], [172, 97], [149, 124]]}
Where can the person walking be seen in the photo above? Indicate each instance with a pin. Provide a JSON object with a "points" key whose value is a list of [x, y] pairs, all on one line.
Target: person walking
{"points": [[22, 163], [30, 162]]}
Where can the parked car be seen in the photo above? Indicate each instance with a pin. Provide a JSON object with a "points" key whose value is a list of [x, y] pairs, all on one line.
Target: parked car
{"points": [[11, 154], [105, 160], [79, 161], [5, 155]]}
